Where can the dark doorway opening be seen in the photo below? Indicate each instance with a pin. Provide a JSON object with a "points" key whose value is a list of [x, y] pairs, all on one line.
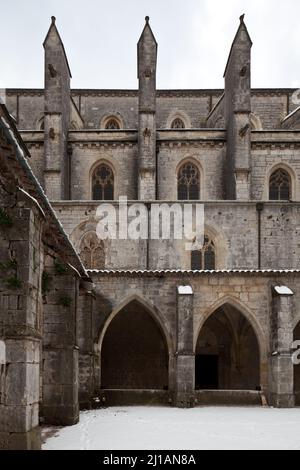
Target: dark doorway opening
{"points": [[227, 352], [207, 372], [134, 353]]}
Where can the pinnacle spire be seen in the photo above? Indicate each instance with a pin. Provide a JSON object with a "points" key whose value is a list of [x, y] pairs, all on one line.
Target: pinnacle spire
{"points": [[147, 28], [52, 37], [241, 32]]}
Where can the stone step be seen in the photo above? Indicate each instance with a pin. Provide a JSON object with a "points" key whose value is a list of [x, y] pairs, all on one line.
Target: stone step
{"points": [[228, 398]]}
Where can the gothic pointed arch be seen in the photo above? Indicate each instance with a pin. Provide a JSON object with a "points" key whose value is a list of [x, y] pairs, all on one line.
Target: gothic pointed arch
{"points": [[280, 185], [178, 120], [177, 123], [204, 259], [134, 349], [255, 122], [188, 181], [91, 251], [103, 182], [228, 352], [112, 122], [40, 124]]}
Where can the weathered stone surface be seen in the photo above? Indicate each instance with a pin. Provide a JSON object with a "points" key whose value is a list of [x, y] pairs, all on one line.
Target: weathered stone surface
{"points": [[54, 330]]}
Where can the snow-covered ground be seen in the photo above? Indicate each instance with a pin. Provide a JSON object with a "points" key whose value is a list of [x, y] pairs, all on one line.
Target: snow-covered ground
{"points": [[160, 428]]}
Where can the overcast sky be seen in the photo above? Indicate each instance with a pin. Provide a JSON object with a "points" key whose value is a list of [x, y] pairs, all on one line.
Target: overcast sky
{"points": [[194, 38]]}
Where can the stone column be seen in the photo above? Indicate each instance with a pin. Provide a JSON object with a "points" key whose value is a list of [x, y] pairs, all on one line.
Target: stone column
{"points": [[20, 310], [86, 344], [60, 351], [185, 358], [281, 365]]}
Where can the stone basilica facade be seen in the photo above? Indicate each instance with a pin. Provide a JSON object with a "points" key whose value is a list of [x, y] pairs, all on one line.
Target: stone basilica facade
{"points": [[85, 322]]}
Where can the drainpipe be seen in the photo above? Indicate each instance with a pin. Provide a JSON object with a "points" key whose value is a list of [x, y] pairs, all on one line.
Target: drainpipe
{"points": [[156, 171], [69, 172], [259, 209], [148, 205]]}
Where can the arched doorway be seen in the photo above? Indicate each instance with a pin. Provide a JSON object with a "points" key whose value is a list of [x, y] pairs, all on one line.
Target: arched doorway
{"points": [[227, 353], [297, 369], [134, 353]]}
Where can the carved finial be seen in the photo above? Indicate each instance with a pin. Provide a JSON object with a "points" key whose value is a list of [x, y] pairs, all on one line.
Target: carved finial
{"points": [[147, 19], [53, 19], [242, 18]]}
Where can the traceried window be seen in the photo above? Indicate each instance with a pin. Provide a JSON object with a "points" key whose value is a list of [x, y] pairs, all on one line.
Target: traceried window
{"points": [[112, 123], [103, 183], [280, 186], [177, 123], [92, 251], [188, 184], [205, 258]]}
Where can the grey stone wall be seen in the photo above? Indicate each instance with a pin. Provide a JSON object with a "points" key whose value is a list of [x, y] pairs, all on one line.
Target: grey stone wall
{"points": [[60, 344], [248, 294], [270, 105], [233, 226], [20, 326]]}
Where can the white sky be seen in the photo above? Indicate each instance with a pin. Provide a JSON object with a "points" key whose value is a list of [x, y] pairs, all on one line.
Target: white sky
{"points": [[194, 38]]}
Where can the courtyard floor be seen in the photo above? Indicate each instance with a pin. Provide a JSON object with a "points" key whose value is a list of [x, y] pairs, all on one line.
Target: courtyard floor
{"points": [[161, 428]]}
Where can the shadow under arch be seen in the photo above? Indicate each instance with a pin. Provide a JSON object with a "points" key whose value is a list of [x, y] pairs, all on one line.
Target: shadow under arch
{"points": [[143, 329], [248, 315]]}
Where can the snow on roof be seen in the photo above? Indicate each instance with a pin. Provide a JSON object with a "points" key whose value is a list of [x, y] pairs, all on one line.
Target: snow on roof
{"points": [[283, 290], [190, 272], [185, 290], [291, 114]]}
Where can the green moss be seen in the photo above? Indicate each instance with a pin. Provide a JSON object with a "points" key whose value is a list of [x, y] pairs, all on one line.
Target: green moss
{"points": [[46, 279], [60, 268], [5, 219], [65, 301], [13, 283], [7, 265]]}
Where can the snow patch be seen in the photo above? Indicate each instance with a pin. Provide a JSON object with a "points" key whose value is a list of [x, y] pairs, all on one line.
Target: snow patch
{"points": [[283, 290], [185, 290], [128, 428]]}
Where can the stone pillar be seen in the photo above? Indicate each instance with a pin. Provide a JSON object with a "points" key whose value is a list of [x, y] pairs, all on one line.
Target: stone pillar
{"points": [[237, 114], [185, 358], [281, 365], [20, 310], [86, 344], [57, 116], [147, 56], [60, 351]]}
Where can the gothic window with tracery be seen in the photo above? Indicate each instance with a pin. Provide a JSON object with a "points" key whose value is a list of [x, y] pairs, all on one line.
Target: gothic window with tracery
{"points": [[112, 123], [188, 184], [92, 251], [177, 123], [280, 186], [103, 183], [205, 258]]}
